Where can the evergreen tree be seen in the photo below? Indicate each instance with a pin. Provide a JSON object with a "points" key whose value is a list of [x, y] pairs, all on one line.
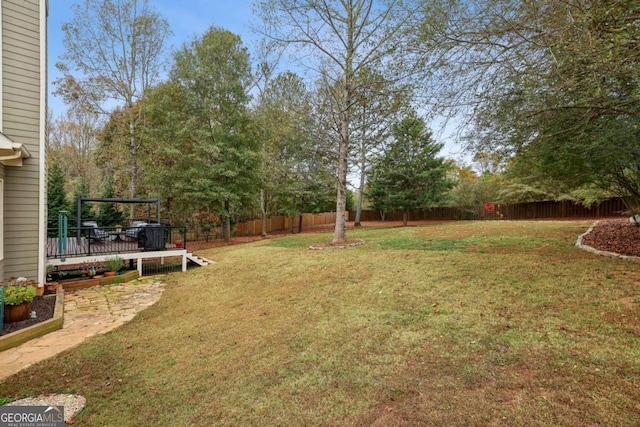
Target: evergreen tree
{"points": [[409, 176], [108, 215], [81, 188], [56, 195]]}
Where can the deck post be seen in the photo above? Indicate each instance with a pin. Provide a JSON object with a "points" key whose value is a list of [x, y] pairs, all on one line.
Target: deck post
{"points": [[184, 262], [140, 266]]}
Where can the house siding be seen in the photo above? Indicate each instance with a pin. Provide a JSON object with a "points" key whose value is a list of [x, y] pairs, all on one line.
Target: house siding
{"points": [[21, 115], [2, 225]]}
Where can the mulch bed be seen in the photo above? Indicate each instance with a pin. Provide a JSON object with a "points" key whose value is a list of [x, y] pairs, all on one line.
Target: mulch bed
{"points": [[615, 235], [43, 307]]}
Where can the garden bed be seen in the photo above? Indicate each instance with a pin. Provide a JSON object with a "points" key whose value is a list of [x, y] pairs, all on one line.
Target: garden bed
{"points": [[43, 306], [88, 282], [24, 332]]}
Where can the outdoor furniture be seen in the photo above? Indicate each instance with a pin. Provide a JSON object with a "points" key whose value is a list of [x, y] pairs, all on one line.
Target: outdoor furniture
{"points": [[92, 232], [133, 231], [117, 235]]}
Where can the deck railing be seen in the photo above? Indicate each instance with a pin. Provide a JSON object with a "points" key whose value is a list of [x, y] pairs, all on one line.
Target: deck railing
{"points": [[88, 241]]}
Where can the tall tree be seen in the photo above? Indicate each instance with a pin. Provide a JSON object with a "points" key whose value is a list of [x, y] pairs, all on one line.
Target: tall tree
{"points": [[56, 194], [298, 178], [113, 52], [71, 143], [376, 109], [409, 175], [80, 188], [208, 147], [108, 214], [337, 39], [112, 155], [552, 84], [170, 170]]}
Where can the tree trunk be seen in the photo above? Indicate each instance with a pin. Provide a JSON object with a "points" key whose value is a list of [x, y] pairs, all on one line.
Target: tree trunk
{"points": [[340, 232], [405, 218], [263, 207], [363, 164], [360, 192], [300, 224], [134, 159], [291, 221], [226, 231]]}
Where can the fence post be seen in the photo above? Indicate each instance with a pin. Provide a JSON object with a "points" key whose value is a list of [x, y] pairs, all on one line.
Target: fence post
{"points": [[62, 232]]}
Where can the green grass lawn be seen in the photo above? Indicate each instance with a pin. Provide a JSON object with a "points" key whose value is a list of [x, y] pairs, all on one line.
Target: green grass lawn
{"points": [[456, 324]]}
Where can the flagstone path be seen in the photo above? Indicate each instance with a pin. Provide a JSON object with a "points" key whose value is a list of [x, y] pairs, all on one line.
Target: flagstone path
{"points": [[87, 312]]}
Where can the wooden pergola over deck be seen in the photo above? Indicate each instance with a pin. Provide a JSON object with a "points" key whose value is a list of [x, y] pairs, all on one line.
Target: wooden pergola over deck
{"points": [[81, 199]]}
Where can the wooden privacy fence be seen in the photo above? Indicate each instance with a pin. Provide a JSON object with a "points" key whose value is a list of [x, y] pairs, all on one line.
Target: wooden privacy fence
{"points": [[514, 211], [274, 223], [278, 223]]}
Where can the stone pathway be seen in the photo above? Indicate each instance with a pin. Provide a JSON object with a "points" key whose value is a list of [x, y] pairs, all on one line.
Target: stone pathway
{"points": [[87, 312]]}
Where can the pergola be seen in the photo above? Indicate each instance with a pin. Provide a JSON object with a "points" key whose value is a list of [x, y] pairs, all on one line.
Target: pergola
{"points": [[81, 199]]}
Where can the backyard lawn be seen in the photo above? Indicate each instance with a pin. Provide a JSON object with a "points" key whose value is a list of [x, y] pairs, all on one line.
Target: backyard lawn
{"points": [[455, 324]]}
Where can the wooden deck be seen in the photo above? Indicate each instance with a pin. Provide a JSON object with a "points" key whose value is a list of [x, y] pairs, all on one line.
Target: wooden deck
{"points": [[82, 247], [158, 242]]}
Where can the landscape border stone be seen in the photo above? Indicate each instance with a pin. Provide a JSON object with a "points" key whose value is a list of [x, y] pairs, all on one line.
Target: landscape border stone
{"points": [[591, 249]]}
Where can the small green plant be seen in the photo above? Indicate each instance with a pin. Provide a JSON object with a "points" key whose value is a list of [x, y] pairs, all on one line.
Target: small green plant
{"points": [[114, 263], [19, 291], [50, 270]]}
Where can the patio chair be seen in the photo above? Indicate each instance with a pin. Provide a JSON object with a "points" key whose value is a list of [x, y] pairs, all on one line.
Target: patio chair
{"points": [[92, 232]]}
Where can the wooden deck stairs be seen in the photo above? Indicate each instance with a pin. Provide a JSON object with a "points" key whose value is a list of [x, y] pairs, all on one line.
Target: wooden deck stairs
{"points": [[198, 259]]}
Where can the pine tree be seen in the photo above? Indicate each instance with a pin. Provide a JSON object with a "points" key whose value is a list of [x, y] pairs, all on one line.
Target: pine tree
{"points": [[409, 175], [108, 215], [81, 189], [56, 196]]}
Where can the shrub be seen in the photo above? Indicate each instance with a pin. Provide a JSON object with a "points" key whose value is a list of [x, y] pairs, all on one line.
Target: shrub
{"points": [[19, 291], [114, 263]]}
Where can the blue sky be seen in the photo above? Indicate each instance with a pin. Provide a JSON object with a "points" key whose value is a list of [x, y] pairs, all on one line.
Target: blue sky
{"points": [[186, 19]]}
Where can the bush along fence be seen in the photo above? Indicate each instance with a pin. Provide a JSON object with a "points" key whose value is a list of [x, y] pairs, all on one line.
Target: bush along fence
{"points": [[515, 211]]}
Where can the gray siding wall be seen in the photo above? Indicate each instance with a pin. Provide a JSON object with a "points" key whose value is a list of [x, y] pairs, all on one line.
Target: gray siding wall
{"points": [[2, 261], [21, 123]]}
